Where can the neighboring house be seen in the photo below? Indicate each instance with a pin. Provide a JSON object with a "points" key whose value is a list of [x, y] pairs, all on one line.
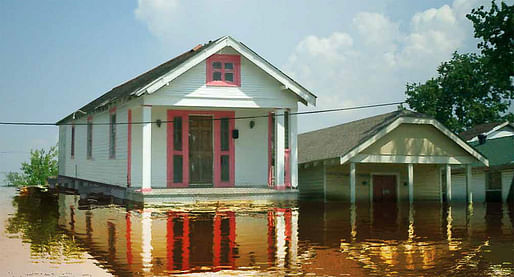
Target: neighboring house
{"points": [[496, 142], [393, 156], [215, 116]]}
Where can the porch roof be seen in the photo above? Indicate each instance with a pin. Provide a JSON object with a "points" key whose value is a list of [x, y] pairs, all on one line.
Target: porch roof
{"points": [[346, 140]]}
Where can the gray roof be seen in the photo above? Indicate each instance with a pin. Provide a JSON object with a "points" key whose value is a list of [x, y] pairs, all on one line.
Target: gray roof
{"points": [[480, 129], [336, 141], [126, 89]]}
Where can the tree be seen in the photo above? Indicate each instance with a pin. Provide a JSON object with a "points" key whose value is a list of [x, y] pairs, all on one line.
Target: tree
{"points": [[461, 96], [495, 28], [42, 165], [471, 88]]}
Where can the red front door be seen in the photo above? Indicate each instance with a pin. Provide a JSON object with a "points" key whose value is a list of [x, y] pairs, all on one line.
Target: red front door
{"points": [[384, 188], [191, 137]]}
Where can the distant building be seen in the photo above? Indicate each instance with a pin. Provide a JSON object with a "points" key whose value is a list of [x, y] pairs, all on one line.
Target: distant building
{"points": [[397, 156], [496, 142], [175, 126]]}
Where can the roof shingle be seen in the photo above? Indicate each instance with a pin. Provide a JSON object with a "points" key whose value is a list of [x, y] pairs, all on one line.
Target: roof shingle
{"points": [[335, 141]]}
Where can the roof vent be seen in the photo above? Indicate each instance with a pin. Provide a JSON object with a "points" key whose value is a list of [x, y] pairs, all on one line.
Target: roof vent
{"points": [[482, 138]]}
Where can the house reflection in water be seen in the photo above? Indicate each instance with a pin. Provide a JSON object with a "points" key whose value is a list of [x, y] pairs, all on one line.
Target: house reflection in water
{"points": [[162, 241], [300, 237]]}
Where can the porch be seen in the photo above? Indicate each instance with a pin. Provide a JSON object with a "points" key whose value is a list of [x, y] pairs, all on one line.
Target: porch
{"points": [[201, 148], [255, 195]]}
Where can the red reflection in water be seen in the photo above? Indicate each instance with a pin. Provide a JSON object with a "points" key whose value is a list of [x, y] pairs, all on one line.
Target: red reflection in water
{"points": [[177, 241], [128, 238], [224, 239]]}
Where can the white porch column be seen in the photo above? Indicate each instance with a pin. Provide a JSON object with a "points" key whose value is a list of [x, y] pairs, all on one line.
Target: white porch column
{"points": [[352, 183], [448, 183], [279, 148], [469, 193], [147, 148], [411, 183], [293, 146]]}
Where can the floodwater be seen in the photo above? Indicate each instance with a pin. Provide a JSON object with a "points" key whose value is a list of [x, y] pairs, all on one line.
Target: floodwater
{"points": [[60, 235]]}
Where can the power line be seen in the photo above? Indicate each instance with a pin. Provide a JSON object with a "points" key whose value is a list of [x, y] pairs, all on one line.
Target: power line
{"points": [[234, 118]]}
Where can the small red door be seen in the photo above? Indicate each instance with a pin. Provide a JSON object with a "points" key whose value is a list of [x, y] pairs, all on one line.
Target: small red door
{"points": [[384, 188]]}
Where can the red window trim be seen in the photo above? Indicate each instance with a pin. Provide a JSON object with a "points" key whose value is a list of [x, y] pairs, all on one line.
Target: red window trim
{"points": [[89, 120], [73, 134], [112, 156], [235, 59]]}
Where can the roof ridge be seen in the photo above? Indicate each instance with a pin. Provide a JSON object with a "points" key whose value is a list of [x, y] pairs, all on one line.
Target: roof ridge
{"points": [[353, 121]]}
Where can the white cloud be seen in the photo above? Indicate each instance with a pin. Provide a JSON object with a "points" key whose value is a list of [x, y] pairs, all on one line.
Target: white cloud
{"points": [[159, 15], [373, 60]]}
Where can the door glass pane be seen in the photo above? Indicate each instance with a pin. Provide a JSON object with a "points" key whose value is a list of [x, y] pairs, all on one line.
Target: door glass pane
{"points": [[224, 168], [216, 65], [216, 76], [229, 66], [177, 133], [229, 77], [224, 132], [177, 168]]}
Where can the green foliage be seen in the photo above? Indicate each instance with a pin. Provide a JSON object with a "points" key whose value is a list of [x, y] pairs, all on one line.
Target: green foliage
{"points": [[42, 165], [495, 28], [471, 89], [36, 220]]}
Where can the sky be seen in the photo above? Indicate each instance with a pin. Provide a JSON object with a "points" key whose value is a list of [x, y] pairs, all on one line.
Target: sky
{"points": [[56, 56]]}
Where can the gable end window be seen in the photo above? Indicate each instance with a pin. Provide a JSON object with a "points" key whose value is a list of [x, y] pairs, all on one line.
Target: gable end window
{"points": [[112, 134], [89, 139], [223, 71]]}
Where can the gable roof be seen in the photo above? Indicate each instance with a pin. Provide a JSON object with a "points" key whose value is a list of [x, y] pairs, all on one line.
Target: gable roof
{"points": [[161, 75], [347, 140], [485, 128]]}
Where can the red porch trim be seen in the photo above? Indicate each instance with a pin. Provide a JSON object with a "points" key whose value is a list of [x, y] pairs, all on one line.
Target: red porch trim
{"points": [[217, 115]]}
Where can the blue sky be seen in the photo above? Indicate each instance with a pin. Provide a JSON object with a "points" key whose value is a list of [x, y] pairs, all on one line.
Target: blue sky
{"points": [[55, 56]]}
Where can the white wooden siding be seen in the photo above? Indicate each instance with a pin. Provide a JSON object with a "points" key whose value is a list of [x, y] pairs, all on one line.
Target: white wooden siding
{"points": [[426, 181], [251, 149], [477, 186], [310, 181], [259, 93], [258, 90], [507, 180], [100, 168]]}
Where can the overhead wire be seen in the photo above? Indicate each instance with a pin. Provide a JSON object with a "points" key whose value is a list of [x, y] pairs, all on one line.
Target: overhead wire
{"points": [[14, 123]]}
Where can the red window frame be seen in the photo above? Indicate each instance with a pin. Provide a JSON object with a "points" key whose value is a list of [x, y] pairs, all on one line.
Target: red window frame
{"points": [[89, 138], [72, 141], [236, 70], [112, 133]]}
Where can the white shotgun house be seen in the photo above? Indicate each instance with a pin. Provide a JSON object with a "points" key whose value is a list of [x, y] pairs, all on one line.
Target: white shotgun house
{"points": [[216, 116]]}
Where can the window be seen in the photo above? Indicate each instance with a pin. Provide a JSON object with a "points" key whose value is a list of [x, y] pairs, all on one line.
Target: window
{"points": [[72, 141], [112, 135], [224, 70], [89, 146]]}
